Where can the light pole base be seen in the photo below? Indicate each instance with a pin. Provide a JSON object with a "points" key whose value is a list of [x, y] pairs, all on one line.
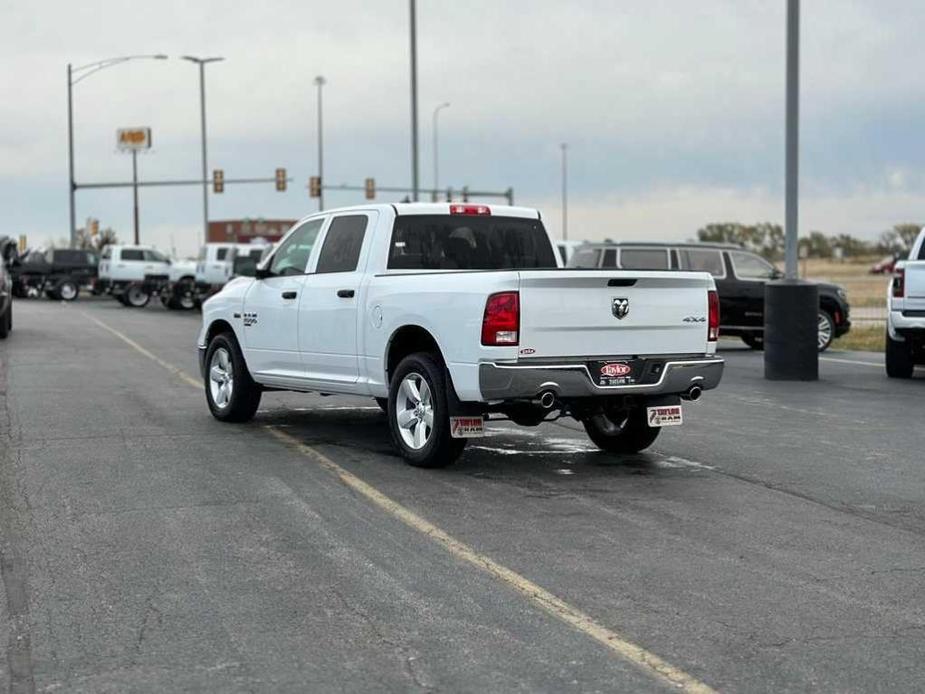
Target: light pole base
{"points": [[791, 330]]}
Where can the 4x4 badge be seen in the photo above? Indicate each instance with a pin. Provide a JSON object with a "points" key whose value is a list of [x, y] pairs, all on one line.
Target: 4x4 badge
{"points": [[620, 306]]}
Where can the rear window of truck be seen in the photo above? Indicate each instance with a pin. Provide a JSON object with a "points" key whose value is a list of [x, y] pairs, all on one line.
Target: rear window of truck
{"points": [[445, 242]]}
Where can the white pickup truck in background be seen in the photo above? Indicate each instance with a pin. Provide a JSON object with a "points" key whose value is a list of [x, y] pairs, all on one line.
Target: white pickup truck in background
{"points": [[905, 327], [450, 313]]}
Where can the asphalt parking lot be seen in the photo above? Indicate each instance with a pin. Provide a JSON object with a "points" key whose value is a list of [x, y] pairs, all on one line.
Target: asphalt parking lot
{"points": [[776, 542]]}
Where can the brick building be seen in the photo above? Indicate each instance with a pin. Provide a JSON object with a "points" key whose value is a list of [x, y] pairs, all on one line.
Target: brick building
{"points": [[246, 230]]}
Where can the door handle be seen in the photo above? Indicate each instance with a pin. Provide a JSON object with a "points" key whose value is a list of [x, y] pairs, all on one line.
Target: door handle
{"points": [[345, 293], [289, 295]]}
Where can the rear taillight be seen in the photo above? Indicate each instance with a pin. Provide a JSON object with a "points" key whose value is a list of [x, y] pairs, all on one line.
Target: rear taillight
{"points": [[480, 210], [713, 319], [899, 283], [501, 323]]}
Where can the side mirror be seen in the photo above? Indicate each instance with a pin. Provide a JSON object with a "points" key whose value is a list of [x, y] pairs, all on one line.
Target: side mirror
{"points": [[261, 273]]}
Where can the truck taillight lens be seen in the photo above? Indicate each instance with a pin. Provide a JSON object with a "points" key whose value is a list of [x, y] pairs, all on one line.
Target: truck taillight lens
{"points": [[501, 324], [478, 210], [899, 283], [713, 319]]}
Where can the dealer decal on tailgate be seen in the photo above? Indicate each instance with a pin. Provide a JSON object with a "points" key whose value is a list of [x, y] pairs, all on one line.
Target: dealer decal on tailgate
{"points": [[669, 416], [466, 427]]}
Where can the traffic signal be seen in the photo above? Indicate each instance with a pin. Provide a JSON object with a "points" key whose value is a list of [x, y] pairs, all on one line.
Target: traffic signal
{"points": [[370, 188], [314, 186], [281, 180], [218, 181]]}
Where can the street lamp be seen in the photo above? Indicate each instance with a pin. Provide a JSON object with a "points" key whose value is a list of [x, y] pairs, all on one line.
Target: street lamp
{"points": [[446, 104], [415, 184], [320, 82], [75, 75], [564, 147], [201, 62]]}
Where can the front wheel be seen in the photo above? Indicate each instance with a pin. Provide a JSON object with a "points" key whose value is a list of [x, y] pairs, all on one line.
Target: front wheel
{"points": [[899, 362], [419, 420], [231, 393], [624, 432], [826, 330], [67, 290]]}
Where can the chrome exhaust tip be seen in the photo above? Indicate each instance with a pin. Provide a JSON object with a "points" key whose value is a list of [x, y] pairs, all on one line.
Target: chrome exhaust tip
{"points": [[693, 393], [547, 400]]}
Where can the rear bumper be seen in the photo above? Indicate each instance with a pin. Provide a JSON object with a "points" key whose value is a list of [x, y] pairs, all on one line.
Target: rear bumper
{"points": [[906, 323], [573, 380]]}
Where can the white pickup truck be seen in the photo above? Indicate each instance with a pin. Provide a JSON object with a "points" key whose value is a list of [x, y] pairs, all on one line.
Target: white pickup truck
{"points": [[448, 313], [133, 274], [905, 327]]}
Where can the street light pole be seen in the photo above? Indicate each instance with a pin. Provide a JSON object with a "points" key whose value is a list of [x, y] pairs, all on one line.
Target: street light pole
{"points": [[320, 82], [436, 150], [564, 191], [415, 184], [75, 75], [135, 192], [791, 204], [205, 165]]}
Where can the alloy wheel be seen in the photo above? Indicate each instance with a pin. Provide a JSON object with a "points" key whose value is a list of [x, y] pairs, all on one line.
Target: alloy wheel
{"points": [[221, 378], [414, 411]]}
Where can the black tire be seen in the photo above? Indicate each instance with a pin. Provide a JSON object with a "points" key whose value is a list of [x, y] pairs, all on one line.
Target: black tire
{"points": [[754, 340], [121, 299], [440, 449], [383, 404], [182, 296], [136, 297], [66, 290], [6, 322], [899, 362], [631, 435], [825, 342], [245, 393]]}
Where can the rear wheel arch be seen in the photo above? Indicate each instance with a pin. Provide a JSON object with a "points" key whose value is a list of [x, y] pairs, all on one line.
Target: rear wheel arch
{"points": [[406, 340]]}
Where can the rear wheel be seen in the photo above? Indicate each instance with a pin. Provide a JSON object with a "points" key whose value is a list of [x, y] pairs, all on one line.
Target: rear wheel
{"points": [[231, 393], [419, 418], [182, 296], [624, 432], [6, 322], [67, 290], [136, 297], [899, 362]]}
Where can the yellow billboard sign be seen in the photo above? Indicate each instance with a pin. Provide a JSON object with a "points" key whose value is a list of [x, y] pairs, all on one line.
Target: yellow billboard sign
{"points": [[128, 139]]}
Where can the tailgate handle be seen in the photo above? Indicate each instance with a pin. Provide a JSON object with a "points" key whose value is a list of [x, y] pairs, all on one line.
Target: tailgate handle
{"points": [[345, 293], [621, 282]]}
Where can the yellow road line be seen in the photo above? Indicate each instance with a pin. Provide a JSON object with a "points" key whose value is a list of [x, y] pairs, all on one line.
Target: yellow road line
{"points": [[179, 373], [555, 606]]}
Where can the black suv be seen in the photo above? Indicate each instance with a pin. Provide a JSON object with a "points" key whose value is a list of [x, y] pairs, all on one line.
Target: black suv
{"points": [[740, 277], [59, 273], [7, 257]]}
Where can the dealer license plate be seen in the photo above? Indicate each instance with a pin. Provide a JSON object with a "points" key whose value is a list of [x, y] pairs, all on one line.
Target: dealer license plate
{"points": [[615, 373], [466, 427], [666, 416]]}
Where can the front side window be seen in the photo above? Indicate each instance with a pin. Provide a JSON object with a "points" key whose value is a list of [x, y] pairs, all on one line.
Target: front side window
{"points": [[342, 244], [221, 253], [749, 266], [644, 259], [155, 257], [458, 242], [702, 260], [291, 258]]}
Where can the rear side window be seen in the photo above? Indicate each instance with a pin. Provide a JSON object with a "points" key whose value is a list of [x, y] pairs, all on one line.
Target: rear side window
{"points": [[585, 257], [702, 260], [133, 254], [65, 257], [448, 242], [644, 259], [155, 257], [342, 244], [751, 267]]}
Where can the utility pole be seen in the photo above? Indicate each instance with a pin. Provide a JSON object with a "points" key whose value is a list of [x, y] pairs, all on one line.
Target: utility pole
{"points": [[320, 82], [70, 156], [564, 191], [415, 183], [135, 192], [202, 115]]}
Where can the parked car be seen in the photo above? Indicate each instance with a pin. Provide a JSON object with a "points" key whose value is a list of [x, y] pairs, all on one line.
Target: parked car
{"points": [[905, 326], [7, 256], [58, 273], [740, 277], [132, 274], [446, 313]]}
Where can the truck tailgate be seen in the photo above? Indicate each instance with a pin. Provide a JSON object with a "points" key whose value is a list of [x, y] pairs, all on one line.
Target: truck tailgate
{"points": [[577, 313], [915, 279]]}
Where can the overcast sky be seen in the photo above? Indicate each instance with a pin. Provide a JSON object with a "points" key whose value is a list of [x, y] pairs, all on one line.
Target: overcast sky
{"points": [[673, 110]]}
